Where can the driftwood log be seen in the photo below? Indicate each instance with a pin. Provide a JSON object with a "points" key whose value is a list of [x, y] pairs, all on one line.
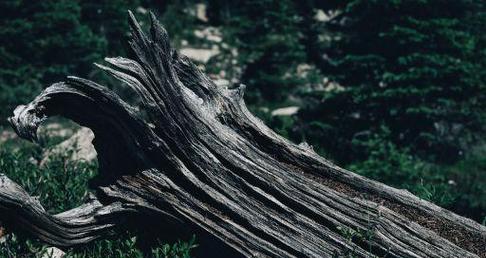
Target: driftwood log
{"points": [[192, 156]]}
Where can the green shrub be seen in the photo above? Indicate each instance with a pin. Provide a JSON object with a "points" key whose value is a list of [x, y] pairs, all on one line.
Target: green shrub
{"points": [[469, 184], [399, 168], [61, 185], [124, 246]]}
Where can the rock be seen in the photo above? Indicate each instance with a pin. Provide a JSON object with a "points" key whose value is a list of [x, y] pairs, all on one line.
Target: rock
{"points": [[209, 33], [304, 69], [333, 86], [56, 130], [200, 54], [6, 135], [53, 252], [234, 52], [264, 109], [198, 11], [286, 111], [201, 12], [322, 16], [80, 141]]}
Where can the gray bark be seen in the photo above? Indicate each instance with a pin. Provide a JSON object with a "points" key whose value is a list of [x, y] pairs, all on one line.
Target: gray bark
{"points": [[192, 155]]}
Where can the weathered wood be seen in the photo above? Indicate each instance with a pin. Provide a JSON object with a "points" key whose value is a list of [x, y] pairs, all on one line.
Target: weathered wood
{"points": [[192, 155]]}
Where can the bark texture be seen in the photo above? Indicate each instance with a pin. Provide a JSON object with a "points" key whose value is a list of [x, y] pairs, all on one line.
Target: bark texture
{"points": [[192, 155]]}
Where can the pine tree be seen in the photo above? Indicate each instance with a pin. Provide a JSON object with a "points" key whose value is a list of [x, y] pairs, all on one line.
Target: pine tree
{"points": [[40, 43], [407, 65], [107, 18], [268, 39]]}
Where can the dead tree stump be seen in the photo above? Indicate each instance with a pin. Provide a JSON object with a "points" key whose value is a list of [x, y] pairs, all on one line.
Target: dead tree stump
{"points": [[192, 155]]}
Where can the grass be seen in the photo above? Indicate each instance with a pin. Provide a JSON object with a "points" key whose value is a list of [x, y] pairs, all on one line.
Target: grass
{"points": [[124, 246]]}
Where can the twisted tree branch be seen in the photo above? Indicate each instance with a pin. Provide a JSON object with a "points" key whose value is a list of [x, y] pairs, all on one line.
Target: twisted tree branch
{"points": [[194, 155]]}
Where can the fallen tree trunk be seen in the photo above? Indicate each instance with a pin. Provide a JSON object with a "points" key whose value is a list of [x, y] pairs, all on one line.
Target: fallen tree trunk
{"points": [[192, 155]]}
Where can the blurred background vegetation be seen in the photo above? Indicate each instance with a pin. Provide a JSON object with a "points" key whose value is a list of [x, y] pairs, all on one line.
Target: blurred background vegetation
{"points": [[391, 89]]}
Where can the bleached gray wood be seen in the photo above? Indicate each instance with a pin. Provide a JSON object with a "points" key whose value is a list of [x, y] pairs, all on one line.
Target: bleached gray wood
{"points": [[192, 155]]}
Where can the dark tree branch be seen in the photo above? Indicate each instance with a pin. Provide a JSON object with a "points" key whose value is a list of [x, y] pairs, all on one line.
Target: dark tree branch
{"points": [[193, 155]]}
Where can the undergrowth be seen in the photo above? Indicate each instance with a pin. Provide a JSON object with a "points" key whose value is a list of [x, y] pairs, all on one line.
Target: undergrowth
{"points": [[62, 184]]}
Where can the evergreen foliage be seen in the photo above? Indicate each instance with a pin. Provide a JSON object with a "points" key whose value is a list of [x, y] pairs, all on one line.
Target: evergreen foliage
{"points": [[40, 43], [410, 65], [107, 19], [266, 33]]}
